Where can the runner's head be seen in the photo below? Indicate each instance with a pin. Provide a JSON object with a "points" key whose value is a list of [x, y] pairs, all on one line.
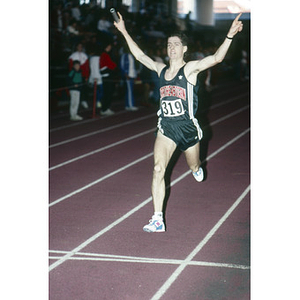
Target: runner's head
{"points": [[177, 45]]}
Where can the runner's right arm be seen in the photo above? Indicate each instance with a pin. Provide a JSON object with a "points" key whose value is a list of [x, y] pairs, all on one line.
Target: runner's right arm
{"points": [[136, 51]]}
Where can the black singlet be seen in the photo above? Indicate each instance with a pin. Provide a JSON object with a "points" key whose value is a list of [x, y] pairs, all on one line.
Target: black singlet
{"points": [[178, 105]]}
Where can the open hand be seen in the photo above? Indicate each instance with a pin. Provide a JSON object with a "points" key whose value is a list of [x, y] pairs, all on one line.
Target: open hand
{"points": [[236, 26]]}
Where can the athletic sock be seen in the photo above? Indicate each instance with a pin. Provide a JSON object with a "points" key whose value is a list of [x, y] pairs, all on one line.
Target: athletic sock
{"points": [[158, 214]]}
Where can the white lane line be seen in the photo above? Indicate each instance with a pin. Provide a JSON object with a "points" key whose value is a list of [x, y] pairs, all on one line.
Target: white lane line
{"points": [[126, 258], [100, 179], [101, 130], [84, 122], [229, 115], [228, 101], [190, 257], [139, 160], [227, 144], [212, 155], [128, 214], [101, 232], [136, 136], [102, 149], [132, 259]]}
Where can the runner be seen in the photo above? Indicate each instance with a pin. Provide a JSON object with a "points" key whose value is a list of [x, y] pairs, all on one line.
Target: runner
{"points": [[177, 125]]}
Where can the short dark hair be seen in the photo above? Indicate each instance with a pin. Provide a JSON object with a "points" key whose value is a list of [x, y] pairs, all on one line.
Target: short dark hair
{"points": [[184, 39], [76, 62]]}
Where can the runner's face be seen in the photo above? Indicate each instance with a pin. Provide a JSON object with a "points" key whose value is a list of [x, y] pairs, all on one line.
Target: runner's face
{"points": [[175, 48]]}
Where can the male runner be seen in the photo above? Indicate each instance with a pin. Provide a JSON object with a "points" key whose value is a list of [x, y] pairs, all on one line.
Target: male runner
{"points": [[177, 125]]}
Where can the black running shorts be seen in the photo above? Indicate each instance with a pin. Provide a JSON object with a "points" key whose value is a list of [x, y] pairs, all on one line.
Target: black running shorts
{"points": [[185, 133]]}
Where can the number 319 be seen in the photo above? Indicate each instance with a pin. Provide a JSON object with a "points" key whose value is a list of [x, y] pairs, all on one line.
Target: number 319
{"points": [[172, 108]]}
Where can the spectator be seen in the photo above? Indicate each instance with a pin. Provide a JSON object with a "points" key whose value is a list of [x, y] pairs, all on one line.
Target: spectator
{"points": [[56, 29], [104, 25], [75, 82], [76, 13], [84, 64], [244, 66], [73, 33], [128, 74], [56, 18], [107, 66], [95, 75]]}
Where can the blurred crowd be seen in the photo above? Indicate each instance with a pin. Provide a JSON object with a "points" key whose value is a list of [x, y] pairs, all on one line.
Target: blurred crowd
{"points": [[86, 33]]}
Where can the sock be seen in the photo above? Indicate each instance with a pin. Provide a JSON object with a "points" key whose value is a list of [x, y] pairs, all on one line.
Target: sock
{"points": [[158, 214]]}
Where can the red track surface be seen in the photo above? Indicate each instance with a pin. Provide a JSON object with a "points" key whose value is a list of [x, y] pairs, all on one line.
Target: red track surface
{"points": [[100, 178]]}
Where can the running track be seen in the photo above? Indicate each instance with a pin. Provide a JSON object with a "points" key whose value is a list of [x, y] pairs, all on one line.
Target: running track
{"points": [[100, 178]]}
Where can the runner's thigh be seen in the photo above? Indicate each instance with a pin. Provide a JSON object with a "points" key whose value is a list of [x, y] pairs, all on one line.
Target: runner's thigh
{"points": [[163, 149]]}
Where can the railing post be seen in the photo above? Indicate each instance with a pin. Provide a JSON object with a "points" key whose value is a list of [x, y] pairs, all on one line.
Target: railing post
{"points": [[94, 99]]}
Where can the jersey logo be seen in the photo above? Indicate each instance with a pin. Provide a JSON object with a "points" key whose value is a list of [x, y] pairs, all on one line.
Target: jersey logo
{"points": [[180, 77], [173, 91]]}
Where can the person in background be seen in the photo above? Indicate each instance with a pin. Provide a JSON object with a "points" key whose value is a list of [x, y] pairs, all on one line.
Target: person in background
{"points": [[76, 13], [128, 74], [82, 57], [75, 82], [95, 75], [107, 67], [103, 26], [73, 33]]}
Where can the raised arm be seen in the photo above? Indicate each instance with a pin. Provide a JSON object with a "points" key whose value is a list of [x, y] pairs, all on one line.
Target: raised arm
{"points": [[194, 67], [135, 50]]}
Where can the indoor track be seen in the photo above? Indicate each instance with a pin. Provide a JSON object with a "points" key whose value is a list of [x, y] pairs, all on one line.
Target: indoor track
{"points": [[100, 198]]}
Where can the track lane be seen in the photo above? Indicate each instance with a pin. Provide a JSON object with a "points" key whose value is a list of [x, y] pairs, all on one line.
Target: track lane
{"points": [[109, 198], [81, 173], [98, 165], [144, 271], [85, 215]]}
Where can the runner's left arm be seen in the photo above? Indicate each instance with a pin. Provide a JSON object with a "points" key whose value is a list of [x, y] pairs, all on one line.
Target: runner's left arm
{"points": [[211, 60]]}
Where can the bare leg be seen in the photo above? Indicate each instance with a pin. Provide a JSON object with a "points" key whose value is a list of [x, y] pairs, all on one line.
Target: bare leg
{"points": [[192, 157], [163, 150]]}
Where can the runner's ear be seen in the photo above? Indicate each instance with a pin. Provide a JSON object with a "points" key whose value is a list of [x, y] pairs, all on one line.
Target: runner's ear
{"points": [[185, 48]]}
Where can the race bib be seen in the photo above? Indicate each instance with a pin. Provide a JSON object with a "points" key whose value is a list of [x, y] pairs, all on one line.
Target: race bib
{"points": [[172, 108]]}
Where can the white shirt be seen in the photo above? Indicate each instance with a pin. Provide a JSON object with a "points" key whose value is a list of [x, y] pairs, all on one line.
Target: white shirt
{"points": [[103, 25], [95, 70], [81, 56], [76, 14]]}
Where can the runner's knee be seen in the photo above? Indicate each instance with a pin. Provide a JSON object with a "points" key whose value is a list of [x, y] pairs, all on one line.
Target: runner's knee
{"points": [[159, 170]]}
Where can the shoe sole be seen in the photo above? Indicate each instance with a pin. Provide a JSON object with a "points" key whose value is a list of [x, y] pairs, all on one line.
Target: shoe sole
{"points": [[160, 230]]}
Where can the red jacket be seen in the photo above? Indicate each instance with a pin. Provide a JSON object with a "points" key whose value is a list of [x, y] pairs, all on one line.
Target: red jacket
{"points": [[105, 61]]}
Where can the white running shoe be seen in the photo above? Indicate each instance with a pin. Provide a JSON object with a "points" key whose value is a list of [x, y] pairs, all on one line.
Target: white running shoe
{"points": [[155, 225], [199, 175], [85, 104], [76, 118], [107, 112], [131, 108]]}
